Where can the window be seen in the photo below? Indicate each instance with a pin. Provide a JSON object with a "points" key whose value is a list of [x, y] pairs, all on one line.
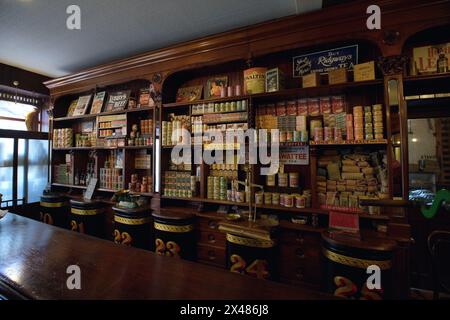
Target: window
{"points": [[12, 115]]}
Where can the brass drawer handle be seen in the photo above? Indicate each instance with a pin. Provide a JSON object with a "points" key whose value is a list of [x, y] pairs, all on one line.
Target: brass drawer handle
{"points": [[212, 224], [300, 253], [211, 255], [211, 238]]}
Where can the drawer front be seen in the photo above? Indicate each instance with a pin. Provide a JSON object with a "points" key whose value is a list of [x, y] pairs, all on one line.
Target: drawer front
{"points": [[208, 224], [212, 238], [298, 237], [300, 263], [211, 255]]}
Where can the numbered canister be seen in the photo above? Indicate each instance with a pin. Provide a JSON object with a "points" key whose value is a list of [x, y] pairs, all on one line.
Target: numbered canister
{"points": [[133, 227], [174, 235], [54, 210], [250, 256], [87, 217]]}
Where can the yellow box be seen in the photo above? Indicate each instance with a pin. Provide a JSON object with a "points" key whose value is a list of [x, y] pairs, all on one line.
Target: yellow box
{"points": [[364, 71]]}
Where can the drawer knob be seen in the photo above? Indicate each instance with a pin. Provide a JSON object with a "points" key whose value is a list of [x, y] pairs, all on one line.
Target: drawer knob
{"points": [[211, 255], [211, 238], [212, 224], [299, 274], [300, 253]]}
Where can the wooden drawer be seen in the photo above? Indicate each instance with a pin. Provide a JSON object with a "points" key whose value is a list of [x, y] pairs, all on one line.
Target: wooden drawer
{"points": [[208, 224], [298, 237], [300, 263], [211, 255], [212, 238]]}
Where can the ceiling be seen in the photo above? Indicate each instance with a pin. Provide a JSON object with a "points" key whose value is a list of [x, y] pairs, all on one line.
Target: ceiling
{"points": [[34, 36]]}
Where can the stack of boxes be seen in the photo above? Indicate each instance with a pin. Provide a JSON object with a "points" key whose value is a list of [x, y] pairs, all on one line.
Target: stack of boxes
{"points": [[143, 186], [62, 138], [343, 180], [172, 133], [180, 184]]}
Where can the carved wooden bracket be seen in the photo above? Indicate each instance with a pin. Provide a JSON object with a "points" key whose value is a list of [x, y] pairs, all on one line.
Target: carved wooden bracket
{"points": [[393, 64]]}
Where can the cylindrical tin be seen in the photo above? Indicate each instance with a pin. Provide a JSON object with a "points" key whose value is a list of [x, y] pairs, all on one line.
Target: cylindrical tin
{"points": [[270, 180], [282, 179], [346, 269], [133, 227], [275, 199], [253, 257], [54, 210], [174, 235], [293, 179], [289, 201], [87, 217], [268, 198]]}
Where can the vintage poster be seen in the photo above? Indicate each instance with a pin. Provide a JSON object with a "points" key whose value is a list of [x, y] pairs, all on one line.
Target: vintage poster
{"points": [[325, 61]]}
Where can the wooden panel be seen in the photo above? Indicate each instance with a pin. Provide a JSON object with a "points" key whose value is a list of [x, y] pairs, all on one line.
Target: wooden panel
{"points": [[137, 274], [211, 238], [211, 255]]}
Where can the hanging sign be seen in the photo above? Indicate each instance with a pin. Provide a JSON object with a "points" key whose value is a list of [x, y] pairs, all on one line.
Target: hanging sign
{"points": [[295, 155], [325, 61]]}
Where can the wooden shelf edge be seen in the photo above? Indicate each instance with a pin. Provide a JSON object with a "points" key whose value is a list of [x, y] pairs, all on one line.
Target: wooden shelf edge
{"points": [[109, 113]]}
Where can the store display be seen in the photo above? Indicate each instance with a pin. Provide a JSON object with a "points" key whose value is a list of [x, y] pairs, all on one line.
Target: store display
{"points": [[188, 94], [255, 80], [179, 184], [82, 105], [364, 71], [63, 138], [275, 80], [111, 175], [344, 179], [117, 100], [215, 86], [97, 103], [140, 185]]}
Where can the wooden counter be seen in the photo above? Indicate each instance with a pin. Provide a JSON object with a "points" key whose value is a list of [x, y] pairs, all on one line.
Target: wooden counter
{"points": [[34, 257]]}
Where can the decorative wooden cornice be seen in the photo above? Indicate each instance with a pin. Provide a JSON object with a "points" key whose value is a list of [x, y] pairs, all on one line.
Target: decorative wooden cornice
{"points": [[337, 23], [392, 64]]}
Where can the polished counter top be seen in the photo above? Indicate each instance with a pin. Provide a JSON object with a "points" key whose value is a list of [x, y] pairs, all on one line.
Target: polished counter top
{"points": [[34, 258]]}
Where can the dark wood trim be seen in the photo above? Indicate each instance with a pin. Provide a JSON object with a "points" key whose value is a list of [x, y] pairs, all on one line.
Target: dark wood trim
{"points": [[346, 21], [23, 134]]}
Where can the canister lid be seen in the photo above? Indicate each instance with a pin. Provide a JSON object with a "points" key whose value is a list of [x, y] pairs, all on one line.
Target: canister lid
{"points": [[53, 197]]}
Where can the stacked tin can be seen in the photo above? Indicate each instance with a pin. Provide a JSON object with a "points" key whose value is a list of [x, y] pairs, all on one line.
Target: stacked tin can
{"points": [[349, 127], [111, 178], [368, 123], [358, 123], [63, 138], [378, 126]]}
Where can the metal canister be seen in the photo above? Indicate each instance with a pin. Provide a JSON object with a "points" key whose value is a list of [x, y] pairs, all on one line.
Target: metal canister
{"points": [[243, 252], [346, 268], [174, 235], [259, 198], [293, 179], [87, 216], [133, 227], [270, 180], [54, 210], [289, 201], [300, 201], [282, 179], [275, 199], [268, 198]]}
